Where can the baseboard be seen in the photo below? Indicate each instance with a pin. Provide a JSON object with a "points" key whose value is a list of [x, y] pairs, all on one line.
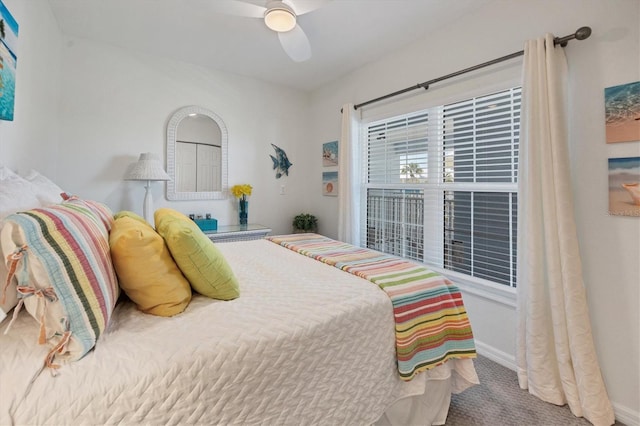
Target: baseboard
{"points": [[496, 355], [623, 414]]}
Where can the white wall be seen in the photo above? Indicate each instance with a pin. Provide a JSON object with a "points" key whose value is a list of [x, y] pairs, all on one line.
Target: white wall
{"points": [[117, 103], [610, 246], [31, 139]]}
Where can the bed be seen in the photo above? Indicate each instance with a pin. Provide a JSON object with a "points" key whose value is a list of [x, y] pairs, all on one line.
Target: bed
{"points": [[305, 343]]}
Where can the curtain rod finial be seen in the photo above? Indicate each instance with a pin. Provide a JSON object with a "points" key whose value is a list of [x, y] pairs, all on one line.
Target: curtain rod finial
{"points": [[583, 33]]}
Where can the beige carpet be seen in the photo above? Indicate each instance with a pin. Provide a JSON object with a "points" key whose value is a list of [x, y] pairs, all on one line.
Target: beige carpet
{"points": [[498, 401]]}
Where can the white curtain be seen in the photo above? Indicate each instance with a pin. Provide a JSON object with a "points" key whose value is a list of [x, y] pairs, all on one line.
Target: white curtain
{"points": [[349, 177], [555, 353]]}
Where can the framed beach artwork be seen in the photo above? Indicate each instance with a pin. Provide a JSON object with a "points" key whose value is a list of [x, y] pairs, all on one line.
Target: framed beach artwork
{"points": [[624, 186], [622, 112], [8, 60], [330, 184], [330, 154]]}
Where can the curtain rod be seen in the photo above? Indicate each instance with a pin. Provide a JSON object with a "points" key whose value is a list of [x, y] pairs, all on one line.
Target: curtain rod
{"points": [[581, 34]]}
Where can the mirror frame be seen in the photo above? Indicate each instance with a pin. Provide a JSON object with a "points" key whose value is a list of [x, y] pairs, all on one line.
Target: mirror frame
{"points": [[172, 131]]}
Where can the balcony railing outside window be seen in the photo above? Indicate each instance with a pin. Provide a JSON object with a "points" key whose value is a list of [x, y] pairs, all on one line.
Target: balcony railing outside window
{"points": [[395, 222]]}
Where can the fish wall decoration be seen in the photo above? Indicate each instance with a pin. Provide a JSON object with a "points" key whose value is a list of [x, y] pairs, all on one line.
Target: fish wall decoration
{"points": [[281, 163]]}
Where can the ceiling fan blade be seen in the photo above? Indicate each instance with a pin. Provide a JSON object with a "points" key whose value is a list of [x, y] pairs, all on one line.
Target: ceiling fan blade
{"points": [[305, 6], [238, 8], [296, 44]]}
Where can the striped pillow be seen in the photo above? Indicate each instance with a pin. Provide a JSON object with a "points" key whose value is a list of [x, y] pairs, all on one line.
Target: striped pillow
{"points": [[60, 257]]}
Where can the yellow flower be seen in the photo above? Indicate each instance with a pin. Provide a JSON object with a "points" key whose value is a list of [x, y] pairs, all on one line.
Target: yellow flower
{"points": [[240, 190]]}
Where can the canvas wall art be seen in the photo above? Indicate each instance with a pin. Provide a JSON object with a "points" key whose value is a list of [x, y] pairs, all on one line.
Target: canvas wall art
{"points": [[330, 154], [330, 184], [624, 186], [8, 61], [622, 112]]}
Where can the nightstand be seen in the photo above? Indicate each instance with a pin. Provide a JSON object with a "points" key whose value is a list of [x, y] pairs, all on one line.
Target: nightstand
{"points": [[238, 233]]}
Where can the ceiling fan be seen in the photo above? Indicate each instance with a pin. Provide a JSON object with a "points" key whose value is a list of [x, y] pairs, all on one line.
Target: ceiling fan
{"points": [[281, 17]]}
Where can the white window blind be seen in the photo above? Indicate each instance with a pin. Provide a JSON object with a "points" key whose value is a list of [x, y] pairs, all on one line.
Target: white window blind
{"points": [[398, 150], [481, 138], [441, 186]]}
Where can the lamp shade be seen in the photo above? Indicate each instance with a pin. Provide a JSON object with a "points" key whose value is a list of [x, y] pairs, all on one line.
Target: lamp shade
{"points": [[147, 168]]}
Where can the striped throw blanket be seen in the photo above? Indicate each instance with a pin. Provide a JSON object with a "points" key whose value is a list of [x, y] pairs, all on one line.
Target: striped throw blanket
{"points": [[430, 318]]}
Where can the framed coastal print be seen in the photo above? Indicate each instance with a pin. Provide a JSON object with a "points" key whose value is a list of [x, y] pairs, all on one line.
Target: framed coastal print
{"points": [[8, 60], [330, 154], [622, 112], [624, 186], [330, 184]]}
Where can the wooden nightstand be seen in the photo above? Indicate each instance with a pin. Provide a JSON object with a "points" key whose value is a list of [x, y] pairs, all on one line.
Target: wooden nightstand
{"points": [[238, 233]]}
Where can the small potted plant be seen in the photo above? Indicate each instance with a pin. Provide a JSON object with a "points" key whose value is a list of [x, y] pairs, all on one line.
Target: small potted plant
{"points": [[305, 222]]}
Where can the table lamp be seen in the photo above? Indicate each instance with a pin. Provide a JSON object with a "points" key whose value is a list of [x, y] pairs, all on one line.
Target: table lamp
{"points": [[148, 168]]}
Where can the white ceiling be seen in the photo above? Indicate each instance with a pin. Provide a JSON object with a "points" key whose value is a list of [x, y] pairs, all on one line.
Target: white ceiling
{"points": [[344, 34]]}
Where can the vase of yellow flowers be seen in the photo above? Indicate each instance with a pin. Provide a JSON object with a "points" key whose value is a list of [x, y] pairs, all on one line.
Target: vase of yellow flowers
{"points": [[242, 193]]}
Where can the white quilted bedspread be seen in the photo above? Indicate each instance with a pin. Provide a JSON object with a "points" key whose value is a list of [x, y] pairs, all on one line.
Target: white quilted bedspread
{"points": [[304, 344]]}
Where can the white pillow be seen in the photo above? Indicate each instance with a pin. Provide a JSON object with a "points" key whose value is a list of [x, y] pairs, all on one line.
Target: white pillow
{"points": [[45, 190], [16, 193], [4, 172]]}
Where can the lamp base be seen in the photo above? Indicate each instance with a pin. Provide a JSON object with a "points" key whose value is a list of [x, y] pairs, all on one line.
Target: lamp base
{"points": [[147, 207]]}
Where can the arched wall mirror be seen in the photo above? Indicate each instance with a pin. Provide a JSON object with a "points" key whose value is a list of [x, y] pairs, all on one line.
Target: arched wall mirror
{"points": [[196, 155]]}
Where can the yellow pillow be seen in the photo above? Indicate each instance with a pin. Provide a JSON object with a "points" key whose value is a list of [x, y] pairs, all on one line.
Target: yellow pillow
{"points": [[146, 271], [169, 212], [132, 215], [197, 257]]}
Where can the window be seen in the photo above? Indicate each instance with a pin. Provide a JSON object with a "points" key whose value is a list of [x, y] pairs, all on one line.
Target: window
{"points": [[441, 186]]}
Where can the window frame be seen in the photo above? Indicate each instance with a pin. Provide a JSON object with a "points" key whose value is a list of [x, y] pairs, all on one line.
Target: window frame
{"points": [[502, 293]]}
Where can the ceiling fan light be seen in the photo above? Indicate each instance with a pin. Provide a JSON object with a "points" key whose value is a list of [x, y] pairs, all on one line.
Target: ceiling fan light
{"points": [[280, 20]]}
